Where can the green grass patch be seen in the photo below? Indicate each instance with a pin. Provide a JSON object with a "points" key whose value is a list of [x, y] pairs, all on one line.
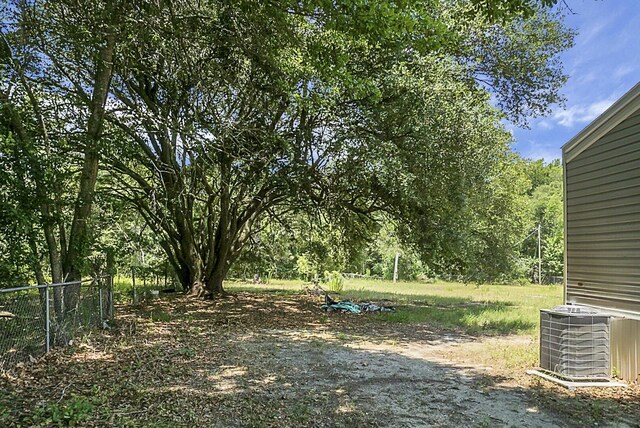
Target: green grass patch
{"points": [[473, 309], [485, 309], [488, 308], [486, 318], [158, 315], [71, 412], [515, 356]]}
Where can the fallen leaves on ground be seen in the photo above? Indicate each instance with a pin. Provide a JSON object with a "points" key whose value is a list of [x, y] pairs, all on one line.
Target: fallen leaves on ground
{"points": [[236, 361]]}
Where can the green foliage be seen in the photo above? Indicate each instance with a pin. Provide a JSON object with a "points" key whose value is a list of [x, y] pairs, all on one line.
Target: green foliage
{"points": [[71, 412], [302, 246], [379, 255], [491, 309], [486, 236], [497, 10], [545, 208], [18, 212], [306, 267], [334, 281], [504, 53], [272, 253], [276, 135]]}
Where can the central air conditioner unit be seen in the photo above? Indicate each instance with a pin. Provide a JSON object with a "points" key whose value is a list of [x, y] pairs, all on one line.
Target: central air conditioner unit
{"points": [[575, 343]]}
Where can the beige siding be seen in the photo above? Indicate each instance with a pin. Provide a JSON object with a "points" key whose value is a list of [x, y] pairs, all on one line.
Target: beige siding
{"points": [[603, 221], [625, 348]]}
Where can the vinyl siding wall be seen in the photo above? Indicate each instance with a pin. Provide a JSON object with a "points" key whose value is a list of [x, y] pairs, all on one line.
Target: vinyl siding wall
{"points": [[603, 220], [625, 348]]}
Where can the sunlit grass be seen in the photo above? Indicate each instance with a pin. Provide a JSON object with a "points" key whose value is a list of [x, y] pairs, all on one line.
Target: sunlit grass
{"points": [[474, 309]]}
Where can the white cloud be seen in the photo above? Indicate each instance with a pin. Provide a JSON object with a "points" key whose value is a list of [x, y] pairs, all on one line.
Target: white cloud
{"points": [[622, 71], [581, 113], [544, 124], [593, 32], [584, 78]]}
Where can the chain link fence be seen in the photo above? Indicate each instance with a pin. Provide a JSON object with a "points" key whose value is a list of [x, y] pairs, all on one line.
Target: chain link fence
{"points": [[34, 319], [137, 290]]}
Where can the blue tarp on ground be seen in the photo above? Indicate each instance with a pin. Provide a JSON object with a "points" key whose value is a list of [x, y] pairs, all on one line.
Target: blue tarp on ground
{"points": [[354, 308]]}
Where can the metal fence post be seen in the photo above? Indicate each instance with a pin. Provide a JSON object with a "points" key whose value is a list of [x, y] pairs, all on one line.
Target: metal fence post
{"points": [[100, 303], [48, 318], [111, 297], [133, 283]]}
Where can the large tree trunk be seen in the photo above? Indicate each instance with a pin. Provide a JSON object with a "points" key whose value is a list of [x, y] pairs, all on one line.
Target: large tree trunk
{"points": [[36, 265], [218, 272], [42, 293], [56, 268], [214, 284], [78, 244], [78, 237], [195, 284], [219, 254]]}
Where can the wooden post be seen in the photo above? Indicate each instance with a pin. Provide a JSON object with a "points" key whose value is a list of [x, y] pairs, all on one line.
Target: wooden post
{"points": [[133, 282], [111, 271], [539, 254], [395, 268]]}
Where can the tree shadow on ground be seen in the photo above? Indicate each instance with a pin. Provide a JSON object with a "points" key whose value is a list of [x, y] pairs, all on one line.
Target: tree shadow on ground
{"points": [[456, 314], [460, 314], [262, 360]]}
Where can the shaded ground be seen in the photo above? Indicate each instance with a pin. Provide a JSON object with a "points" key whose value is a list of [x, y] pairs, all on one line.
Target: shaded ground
{"points": [[276, 360]]}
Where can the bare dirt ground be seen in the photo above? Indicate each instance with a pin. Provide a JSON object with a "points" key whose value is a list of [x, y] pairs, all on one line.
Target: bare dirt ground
{"points": [[270, 360]]}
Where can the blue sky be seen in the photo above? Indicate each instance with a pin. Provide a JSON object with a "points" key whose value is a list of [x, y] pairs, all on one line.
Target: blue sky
{"points": [[602, 66]]}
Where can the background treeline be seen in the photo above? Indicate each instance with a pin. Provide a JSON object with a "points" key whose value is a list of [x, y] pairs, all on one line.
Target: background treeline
{"points": [[305, 246], [313, 246], [217, 139]]}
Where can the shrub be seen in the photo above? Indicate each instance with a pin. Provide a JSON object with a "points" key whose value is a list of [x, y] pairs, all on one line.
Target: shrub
{"points": [[334, 281], [74, 411]]}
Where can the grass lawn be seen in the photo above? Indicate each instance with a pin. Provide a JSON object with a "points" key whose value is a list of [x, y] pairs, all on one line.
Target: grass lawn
{"points": [[485, 309]]}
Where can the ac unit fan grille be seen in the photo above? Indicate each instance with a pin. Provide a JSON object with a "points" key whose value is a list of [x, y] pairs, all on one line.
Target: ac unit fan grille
{"points": [[575, 345]]}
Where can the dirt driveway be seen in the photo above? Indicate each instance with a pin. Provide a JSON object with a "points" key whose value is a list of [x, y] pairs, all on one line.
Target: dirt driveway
{"points": [[391, 384], [271, 361]]}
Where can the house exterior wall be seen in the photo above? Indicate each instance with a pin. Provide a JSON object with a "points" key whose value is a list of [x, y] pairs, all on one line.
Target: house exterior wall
{"points": [[625, 348], [602, 209]]}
